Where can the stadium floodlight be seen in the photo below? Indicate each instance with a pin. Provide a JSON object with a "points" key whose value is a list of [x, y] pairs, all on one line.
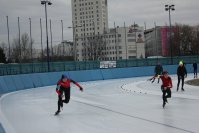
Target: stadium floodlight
{"points": [[170, 8], [45, 3]]}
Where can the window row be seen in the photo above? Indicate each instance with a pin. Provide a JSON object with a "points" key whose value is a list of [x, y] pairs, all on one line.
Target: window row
{"points": [[107, 58], [103, 53], [87, 3]]}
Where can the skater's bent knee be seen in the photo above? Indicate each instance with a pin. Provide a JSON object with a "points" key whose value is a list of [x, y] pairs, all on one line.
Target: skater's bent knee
{"points": [[66, 101]]}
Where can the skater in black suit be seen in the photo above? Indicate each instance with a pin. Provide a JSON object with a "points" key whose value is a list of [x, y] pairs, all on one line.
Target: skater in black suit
{"points": [[182, 73], [195, 70]]}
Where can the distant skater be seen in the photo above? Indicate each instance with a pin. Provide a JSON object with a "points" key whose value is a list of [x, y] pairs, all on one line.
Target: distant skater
{"points": [[195, 70], [165, 87], [63, 91], [181, 73], [158, 71]]}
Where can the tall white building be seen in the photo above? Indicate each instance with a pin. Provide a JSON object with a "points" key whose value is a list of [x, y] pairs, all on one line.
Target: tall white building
{"points": [[93, 40], [90, 18], [91, 13]]}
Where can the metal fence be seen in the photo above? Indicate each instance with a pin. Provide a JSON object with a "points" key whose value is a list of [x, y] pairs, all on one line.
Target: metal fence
{"points": [[14, 69]]}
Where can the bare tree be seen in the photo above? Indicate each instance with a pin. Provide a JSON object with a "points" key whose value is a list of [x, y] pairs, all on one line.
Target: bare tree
{"points": [[22, 52], [186, 40], [195, 41], [93, 48], [16, 50]]}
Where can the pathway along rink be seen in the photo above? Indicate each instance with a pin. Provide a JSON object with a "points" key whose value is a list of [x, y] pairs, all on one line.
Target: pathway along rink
{"points": [[112, 106]]}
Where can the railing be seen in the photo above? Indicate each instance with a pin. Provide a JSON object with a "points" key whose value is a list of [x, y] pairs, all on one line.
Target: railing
{"points": [[14, 69]]}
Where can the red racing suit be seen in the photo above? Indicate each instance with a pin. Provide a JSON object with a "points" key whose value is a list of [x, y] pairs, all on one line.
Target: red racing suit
{"points": [[66, 85], [166, 82]]}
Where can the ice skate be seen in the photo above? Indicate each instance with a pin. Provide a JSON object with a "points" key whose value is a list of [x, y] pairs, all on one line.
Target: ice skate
{"points": [[57, 112], [164, 103], [177, 88]]}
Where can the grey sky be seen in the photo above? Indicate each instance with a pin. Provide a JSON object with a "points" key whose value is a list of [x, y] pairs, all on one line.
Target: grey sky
{"points": [[130, 11]]}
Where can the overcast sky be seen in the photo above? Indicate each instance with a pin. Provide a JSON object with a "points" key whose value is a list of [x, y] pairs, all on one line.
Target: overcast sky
{"points": [[130, 11]]}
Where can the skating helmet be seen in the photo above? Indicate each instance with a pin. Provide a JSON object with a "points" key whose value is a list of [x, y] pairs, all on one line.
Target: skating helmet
{"points": [[64, 76], [164, 72], [181, 63]]}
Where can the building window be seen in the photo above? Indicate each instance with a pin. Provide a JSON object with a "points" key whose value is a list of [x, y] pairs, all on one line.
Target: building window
{"points": [[131, 40], [131, 35], [132, 57], [132, 51]]}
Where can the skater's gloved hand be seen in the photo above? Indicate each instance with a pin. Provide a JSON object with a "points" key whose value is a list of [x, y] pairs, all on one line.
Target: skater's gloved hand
{"points": [[81, 89], [169, 87], [58, 92]]}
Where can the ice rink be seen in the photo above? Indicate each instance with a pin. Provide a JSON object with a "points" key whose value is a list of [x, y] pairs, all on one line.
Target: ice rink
{"points": [[113, 106]]}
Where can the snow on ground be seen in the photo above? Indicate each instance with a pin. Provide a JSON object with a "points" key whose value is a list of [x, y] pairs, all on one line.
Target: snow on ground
{"points": [[111, 106]]}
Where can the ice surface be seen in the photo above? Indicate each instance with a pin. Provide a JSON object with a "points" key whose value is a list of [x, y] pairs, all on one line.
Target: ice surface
{"points": [[114, 106]]}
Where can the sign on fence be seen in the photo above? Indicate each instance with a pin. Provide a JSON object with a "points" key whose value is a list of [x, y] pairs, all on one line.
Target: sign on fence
{"points": [[108, 64]]}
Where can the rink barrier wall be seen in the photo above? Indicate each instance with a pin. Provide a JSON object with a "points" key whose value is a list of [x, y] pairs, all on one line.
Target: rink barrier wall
{"points": [[12, 83]]}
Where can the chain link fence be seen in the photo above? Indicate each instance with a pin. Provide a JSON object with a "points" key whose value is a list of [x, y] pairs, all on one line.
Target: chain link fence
{"points": [[14, 69]]}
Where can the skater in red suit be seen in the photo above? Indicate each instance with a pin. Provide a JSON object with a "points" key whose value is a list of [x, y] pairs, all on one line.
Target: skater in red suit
{"points": [[166, 87], [63, 90]]}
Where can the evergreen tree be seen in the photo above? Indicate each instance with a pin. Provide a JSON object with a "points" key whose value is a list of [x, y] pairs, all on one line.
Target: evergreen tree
{"points": [[2, 56]]}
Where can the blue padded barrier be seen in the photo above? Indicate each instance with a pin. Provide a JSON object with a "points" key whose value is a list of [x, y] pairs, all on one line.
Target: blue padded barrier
{"points": [[27, 81], [144, 71], [96, 75], [122, 73], [172, 69], [45, 79], [132, 72], [81, 76], [9, 83], [3, 86], [189, 68], [116, 73], [107, 74], [36, 80], [18, 82], [52, 78]]}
